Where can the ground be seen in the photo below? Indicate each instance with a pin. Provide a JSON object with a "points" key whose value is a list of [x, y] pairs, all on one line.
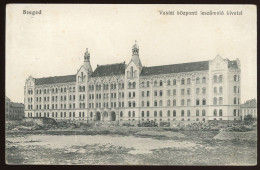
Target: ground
{"points": [[128, 146]]}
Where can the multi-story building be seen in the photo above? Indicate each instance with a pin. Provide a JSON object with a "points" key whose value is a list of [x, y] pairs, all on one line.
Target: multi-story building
{"points": [[13, 111], [196, 91], [249, 108]]}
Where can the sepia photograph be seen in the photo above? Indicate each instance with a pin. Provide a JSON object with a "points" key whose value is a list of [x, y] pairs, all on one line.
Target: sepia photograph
{"points": [[131, 84]]}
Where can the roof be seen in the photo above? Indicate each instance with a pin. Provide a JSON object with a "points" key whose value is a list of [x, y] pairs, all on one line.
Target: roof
{"points": [[16, 104], [110, 69], [232, 64], [175, 68], [249, 103], [56, 79]]}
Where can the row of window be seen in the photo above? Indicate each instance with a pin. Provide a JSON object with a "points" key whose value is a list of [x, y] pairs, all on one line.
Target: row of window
{"points": [[62, 90], [55, 98], [30, 91], [218, 79], [55, 106]]}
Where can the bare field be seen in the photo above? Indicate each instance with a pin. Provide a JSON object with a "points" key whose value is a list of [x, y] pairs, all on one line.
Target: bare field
{"points": [[127, 146]]}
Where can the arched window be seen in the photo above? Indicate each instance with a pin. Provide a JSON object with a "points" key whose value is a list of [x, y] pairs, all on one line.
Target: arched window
{"points": [[133, 103], [220, 112], [204, 80], [174, 82], [197, 80], [160, 113], [134, 84], [203, 113], [148, 83], [235, 77], [132, 71], [197, 102], [215, 101], [182, 113], [220, 100], [235, 112], [174, 102], [215, 112], [182, 81], [169, 82], [215, 78], [142, 113], [235, 100], [155, 103], [147, 113], [129, 114], [220, 78], [129, 85], [155, 113], [188, 81], [220, 90], [174, 113], [168, 113], [188, 91], [204, 90], [155, 83], [168, 103], [204, 102], [188, 113], [133, 113], [235, 89], [188, 102], [182, 102]]}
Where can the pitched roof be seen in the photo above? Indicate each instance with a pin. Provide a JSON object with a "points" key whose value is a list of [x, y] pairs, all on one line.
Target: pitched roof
{"points": [[16, 104], [110, 69], [56, 79], [175, 68], [232, 64], [249, 103]]}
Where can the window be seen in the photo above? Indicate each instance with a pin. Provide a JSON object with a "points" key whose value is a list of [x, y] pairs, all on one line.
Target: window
{"points": [[160, 103], [188, 102], [215, 101], [129, 114], [220, 79], [235, 100], [197, 102], [168, 82], [168, 92], [155, 113], [215, 78], [168, 102], [188, 113], [235, 77], [174, 102], [182, 91], [204, 80], [133, 113], [155, 103], [188, 91], [203, 113], [148, 93], [174, 91], [235, 112], [197, 90], [160, 113], [182, 102], [155, 93], [204, 102], [174, 113], [168, 113], [142, 103], [197, 80], [197, 113], [215, 112], [188, 81], [174, 82], [220, 90], [148, 83], [220, 100], [161, 83], [147, 113], [148, 103], [161, 93], [220, 112], [215, 90], [155, 83], [182, 81], [142, 113], [182, 113], [235, 89]]}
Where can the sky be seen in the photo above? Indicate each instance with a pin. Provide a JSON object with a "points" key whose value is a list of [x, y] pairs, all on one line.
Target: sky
{"points": [[54, 42]]}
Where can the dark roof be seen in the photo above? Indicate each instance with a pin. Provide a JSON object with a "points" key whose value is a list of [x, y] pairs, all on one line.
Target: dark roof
{"points": [[56, 79], [175, 68], [16, 104], [107, 70], [232, 64], [249, 103]]}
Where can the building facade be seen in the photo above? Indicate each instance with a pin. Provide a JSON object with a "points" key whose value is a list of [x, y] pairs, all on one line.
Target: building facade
{"points": [[196, 91], [249, 108], [13, 111]]}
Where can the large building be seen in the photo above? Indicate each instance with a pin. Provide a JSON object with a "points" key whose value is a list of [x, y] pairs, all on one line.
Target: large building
{"points": [[13, 111], [249, 108], [196, 91]]}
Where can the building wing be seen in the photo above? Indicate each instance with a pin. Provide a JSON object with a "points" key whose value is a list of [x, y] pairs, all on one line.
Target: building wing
{"points": [[56, 79], [108, 70]]}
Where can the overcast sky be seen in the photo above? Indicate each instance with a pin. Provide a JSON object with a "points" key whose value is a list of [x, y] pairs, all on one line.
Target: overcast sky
{"points": [[54, 43]]}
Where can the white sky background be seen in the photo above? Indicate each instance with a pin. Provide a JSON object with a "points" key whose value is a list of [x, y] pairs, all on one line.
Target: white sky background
{"points": [[54, 43]]}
